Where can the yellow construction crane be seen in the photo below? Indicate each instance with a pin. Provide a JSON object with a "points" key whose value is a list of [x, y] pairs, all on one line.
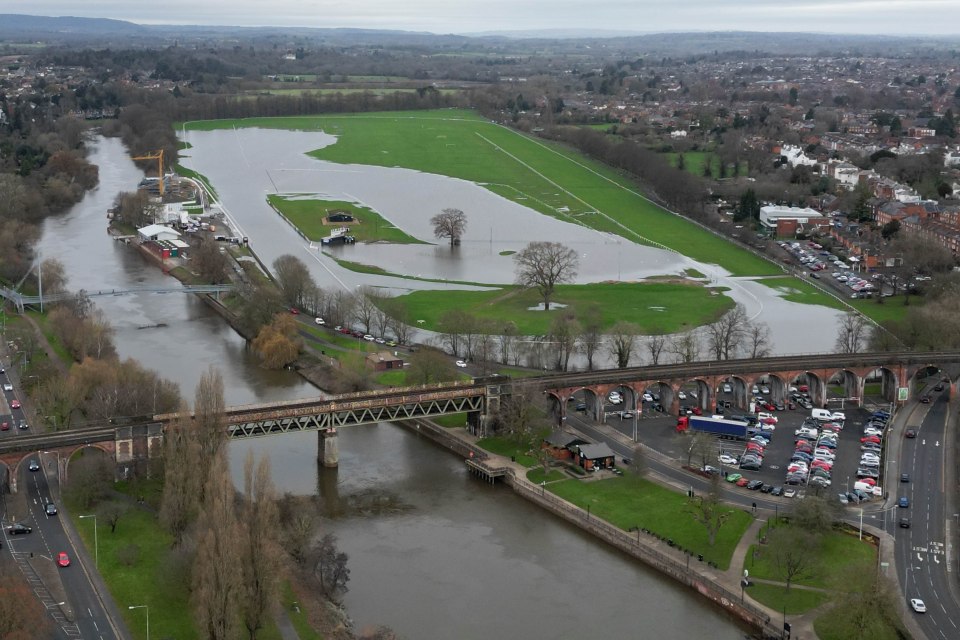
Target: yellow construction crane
{"points": [[158, 156]]}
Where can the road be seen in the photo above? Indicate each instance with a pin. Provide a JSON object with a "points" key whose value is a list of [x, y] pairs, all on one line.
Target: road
{"points": [[923, 559]]}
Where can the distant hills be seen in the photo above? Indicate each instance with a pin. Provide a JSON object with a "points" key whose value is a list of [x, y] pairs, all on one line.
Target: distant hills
{"points": [[103, 32]]}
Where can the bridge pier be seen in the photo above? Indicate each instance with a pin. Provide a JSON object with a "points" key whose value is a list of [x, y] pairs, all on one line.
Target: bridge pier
{"points": [[328, 450]]}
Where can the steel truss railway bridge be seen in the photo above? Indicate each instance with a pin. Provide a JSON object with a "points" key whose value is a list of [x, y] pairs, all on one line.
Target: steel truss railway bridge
{"points": [[140, 438]]}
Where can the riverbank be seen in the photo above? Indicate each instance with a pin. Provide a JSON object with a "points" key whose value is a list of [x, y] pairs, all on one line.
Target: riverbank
{"points": [[719, 587]]}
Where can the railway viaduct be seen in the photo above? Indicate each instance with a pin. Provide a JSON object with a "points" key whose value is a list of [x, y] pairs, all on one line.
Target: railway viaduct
{"points": [[141, 438]]}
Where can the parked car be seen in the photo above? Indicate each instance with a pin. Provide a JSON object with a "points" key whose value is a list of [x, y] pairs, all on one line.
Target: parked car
{"points": [[753, 485], [18, 529], [461, 363]]}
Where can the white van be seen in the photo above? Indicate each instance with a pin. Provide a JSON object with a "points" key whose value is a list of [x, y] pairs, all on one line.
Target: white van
{"points": [[821, 414]]}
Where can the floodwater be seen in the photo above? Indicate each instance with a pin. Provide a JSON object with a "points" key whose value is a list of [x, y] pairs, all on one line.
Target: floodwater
{"points": [[245, 165], [434, 553], [192, 337]]}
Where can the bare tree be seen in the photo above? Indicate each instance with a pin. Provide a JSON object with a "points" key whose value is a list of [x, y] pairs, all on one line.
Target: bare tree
{"points": [[209, 263], [53, 276], [330, 568], [544, 265], [429, 365], [524, 415], [365, 308], [623, 339], [178, 503], [852, 333], [450, 223], [793, 551], [725, 336], [710, 510], [260, 555], [685, 347], [564, 331], [699, 446], [455, 326], [508, 339], [758, 339], [293, 279], [111, 512], [655, 345], [591, 336], [216, 592]]}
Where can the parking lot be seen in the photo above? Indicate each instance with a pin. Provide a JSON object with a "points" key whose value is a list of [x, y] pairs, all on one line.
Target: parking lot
{"points": [[659, 432]]}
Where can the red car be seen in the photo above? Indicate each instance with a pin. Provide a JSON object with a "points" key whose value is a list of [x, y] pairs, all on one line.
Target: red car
{"points": [[294, 311], [5, 426], [803, 388], [875, 439], [910, 433], [63, 559], [742, 482], [14, 404]]}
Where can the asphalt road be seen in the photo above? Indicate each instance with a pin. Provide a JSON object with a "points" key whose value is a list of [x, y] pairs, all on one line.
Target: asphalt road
{"points": [[48, 538], [922, 556]]}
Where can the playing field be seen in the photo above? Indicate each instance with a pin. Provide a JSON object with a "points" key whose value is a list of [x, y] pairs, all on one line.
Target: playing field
{"points": [[542, 176]]}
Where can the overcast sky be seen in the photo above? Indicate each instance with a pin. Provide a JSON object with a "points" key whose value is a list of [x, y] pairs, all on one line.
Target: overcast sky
{"points": [[941, 17]]}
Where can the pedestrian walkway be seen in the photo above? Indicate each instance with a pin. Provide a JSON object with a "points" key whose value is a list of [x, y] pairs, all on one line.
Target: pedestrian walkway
{"points": [[284, 624]]}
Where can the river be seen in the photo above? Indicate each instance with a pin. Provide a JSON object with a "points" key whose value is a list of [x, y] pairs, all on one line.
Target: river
{"points": [[442, 555]]}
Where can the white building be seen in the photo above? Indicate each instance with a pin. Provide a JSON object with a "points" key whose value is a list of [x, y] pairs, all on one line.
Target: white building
{"points": [[157, 232], [795, 156], [770, 215]]}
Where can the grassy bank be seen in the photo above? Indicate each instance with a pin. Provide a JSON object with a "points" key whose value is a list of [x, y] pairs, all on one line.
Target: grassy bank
{"points": [[656, 307], [308, 214]]}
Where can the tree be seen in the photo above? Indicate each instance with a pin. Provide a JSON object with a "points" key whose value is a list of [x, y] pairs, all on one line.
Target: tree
{"points": [[749, 207], [455, 325], [293, 279], [655, 345], [544, 265], [53, 276], [260, 554], [758, 339], [815, 514], [564, 332], [277, 344], [179, 501], [726, 334], [869, 602], [685, 347], [450, 223], [709, 510], [591, 336], [330, 568], [22, 615], [793, 551], [216, 589], [852, 333], [209, 263], [524, 416], [365, 308], [700, 446], [429, 365], [890, 229], [638, 461], [111, 512], [623, 338]]}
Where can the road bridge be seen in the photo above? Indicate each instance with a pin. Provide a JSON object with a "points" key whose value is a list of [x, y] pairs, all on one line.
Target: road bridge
{"points": [[141, 438]]}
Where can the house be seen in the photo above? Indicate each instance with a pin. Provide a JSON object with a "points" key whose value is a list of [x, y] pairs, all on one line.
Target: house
{"points": [[594, 456], [157, 232], [384, 361], [562, 446]]}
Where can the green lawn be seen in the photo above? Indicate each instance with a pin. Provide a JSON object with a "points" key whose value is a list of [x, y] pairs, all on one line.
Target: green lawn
{"points": [[507, 447], [537, 476], [307, 213], [629, 502], [838, 553], [296, 614], [546, 177], [795, 289], [154, 579], [836, 624], [452, 420], [797, 600], [656, 307], [694, 161]]}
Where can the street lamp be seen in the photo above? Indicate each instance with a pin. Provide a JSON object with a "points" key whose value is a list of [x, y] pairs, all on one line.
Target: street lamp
{"points": [[143, 606], [96, 545], [861, 523]]}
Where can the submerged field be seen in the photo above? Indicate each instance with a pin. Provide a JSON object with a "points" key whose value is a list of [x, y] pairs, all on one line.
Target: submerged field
{"points": [[542, 176]]}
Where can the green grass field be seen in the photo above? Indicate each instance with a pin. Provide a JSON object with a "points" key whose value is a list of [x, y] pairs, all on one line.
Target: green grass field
{"points": [[546, 177], [503, 446], [694, 161], [657, 307], [628, 502], [307, 215]]}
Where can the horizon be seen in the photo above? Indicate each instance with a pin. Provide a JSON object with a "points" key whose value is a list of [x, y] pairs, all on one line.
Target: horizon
{"points": [[612, 18]]}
